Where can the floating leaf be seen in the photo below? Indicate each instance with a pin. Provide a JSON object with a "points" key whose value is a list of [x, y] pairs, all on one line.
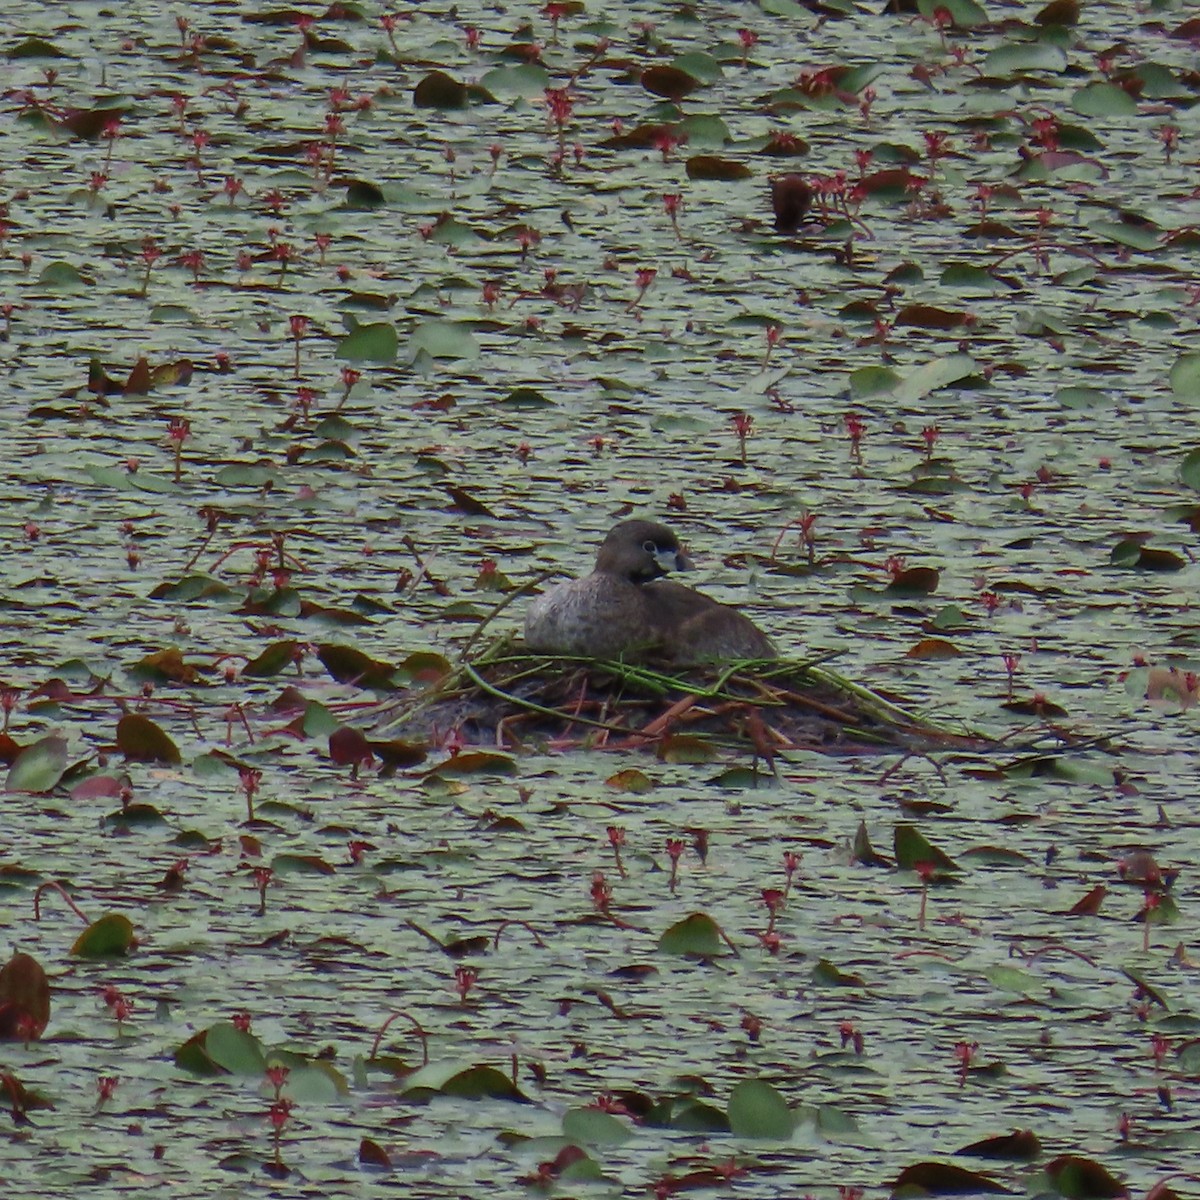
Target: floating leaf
{"points": [[165, 666], [942, 1179], [1123, 233], [99, 787], [349, 747], [34, 47], [966, 277], [1083, 1179], [475, 762], [350, 665], [301, 864], [640, 137], [110, 937], [687, 748], [1133, 555], [439, 90], [272, 602], [697, 936], [449, 232], [933, 648], [372, 1154], [712, 166], [275, 658], [396, 754], [24, 999], [1089, 905], [939, 373], [369, 343], [425, 667], [695, 1116], [443, 339], [1020, 57], [1020, 1146], [864, 853], [872, 381], [526, 397], [364, 196], [857, 78], [235, 1050], [915, 581], [594, 1127], [965, 14], [1104, 99], [139, 739], [63, 277], [669, 81], [758, 1110], [469, 1083], [1058, 12], [699, 66], [705, 130], [529, 80], [949, 618], [1082, 398], [929, 316], [1185, 384], [827, 974], [911, 847], [39, 766], [255, 475], [631, 780]]}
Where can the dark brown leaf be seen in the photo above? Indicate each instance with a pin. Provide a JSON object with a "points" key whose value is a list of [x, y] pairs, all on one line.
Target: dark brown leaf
{"points": [[439, 90], [712, 166], [791, 198], [372, 1154], [1089, 905], [929, 316], [944, 1179], [1021, 1145], [24, 999], [670, 82], [141, 740], [1059, 12], [915, 581], [933, 648], [349, 747]]}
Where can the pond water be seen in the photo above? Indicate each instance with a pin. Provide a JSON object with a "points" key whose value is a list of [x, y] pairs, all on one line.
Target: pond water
{"points": [[186, 185]]}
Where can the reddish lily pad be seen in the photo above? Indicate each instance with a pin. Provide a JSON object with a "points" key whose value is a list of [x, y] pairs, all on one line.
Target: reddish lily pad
{"points": [[24, 999], [943, 1179]]}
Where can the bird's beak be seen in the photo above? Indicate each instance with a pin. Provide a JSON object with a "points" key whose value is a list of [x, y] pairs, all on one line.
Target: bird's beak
{"points": [[673, 560]]}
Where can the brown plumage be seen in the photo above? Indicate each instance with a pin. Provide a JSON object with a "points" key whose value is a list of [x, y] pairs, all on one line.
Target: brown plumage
{"points": [[624, 609]]}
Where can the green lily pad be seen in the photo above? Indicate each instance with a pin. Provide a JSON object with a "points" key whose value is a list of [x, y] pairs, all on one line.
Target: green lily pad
{"points": [[758, 1110], [111, 936], [38, 767], [697, 935], [369, 343], [1104, 99]]}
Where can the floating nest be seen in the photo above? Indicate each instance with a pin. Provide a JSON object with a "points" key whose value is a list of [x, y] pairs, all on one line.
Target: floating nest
{"points": [[514, 700]]}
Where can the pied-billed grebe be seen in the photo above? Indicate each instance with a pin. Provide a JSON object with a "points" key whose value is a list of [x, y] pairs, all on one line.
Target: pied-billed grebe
{"points": [[624, 608]]}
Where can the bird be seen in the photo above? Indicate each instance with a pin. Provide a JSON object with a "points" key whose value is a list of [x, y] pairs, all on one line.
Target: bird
{"points": [[625, 609]]}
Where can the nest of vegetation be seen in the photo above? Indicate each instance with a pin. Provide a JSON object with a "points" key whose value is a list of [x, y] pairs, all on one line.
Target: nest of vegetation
{"points": [[515, 700]]}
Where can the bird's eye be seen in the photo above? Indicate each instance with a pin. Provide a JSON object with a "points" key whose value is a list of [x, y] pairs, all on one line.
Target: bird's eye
{"points": [[650, 547]]}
